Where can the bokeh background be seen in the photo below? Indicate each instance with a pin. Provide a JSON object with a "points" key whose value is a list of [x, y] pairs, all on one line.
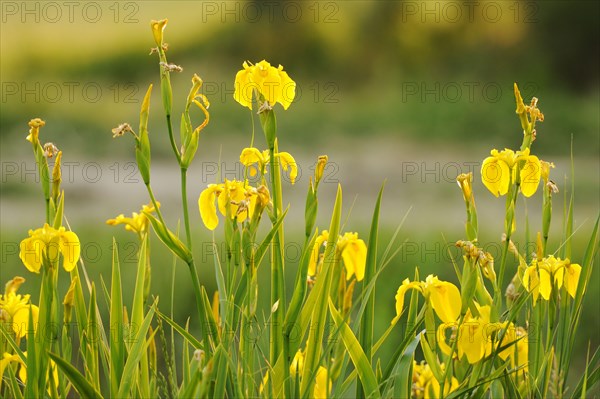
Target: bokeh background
{"points": [[407, 92]]}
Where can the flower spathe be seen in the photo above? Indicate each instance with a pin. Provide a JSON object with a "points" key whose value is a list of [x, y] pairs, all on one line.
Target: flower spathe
{"points": [[443, 296], [158, 28], [498, 171], [48, 243], [273, 84]]}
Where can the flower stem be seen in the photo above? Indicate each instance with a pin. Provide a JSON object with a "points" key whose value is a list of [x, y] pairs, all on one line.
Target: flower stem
{"points": [[155, 204], [277, 283], [172, 139], [198, 295], [186, 217]]}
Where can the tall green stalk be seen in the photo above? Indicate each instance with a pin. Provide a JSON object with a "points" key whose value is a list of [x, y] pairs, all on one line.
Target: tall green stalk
{"points": [[269, 124]]}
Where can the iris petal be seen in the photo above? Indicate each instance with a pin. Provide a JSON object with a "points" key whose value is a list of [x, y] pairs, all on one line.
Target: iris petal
{"points": [[445, 300], [572, 274], [208, 209], [495, 175], [288, 162], [31, 254], [530, 176], [71, 250], [244, 87]]}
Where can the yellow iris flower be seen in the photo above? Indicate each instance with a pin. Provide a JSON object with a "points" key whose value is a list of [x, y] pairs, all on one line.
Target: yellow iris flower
{"points": [[315, 257], [233, 196], [15, 308], [322, 384], [273, 84], [7, 359], [538, 277], [474, 336], [138, 222], [47, 243], [432, 390], [521, 353], [354, 254], [498, 171], [424, 384], [297, 364], [352, 249], [443, 296], [251, 156]]}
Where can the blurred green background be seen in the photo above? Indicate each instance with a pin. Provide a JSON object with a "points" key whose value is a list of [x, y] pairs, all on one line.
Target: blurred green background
{"points": [[411, 93]]}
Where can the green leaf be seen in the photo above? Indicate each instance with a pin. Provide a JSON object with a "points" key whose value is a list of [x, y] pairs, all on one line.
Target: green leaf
{"points": [[90, 340], [138, 349], [306, 314], [182, 331], [81, 384], [117, 341], [31, 388], [360, 360], [432, 360], [367, 319], [11, 342], [403, 374], [137, 313], [264, 245], [220, 359], [60, 209], [318, 312], [590, 377], [14, 384], [170, 239], [210, 321], [299, 288]]}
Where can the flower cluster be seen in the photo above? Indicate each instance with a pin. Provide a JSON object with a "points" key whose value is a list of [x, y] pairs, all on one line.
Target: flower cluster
{"points": [[235, 199]]}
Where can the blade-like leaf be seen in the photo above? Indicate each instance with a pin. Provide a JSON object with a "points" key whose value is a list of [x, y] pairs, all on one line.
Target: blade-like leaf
{"points": [[135, 354], [117, 342], [182, 331], [362, 364], [264, 245], [81, 384], [403, 373], [318, 313], [367, 321]]}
